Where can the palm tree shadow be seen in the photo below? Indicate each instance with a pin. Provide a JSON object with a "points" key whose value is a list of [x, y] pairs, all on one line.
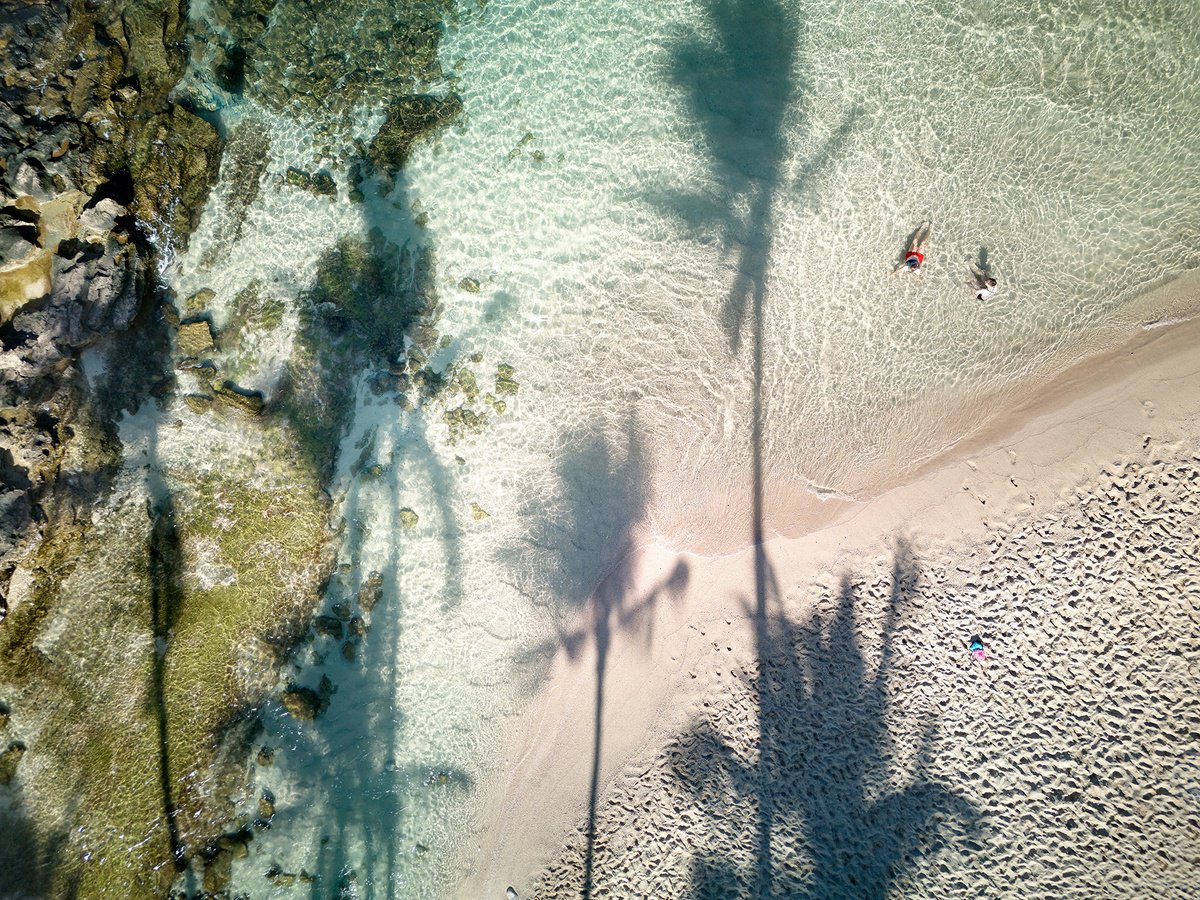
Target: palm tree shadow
{"points": [[824, 768], [364, 791], [27, 858], [580, 551], [739, 85]]}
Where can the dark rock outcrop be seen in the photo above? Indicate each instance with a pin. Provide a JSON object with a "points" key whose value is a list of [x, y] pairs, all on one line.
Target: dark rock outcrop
{"points": [[101, 171]]}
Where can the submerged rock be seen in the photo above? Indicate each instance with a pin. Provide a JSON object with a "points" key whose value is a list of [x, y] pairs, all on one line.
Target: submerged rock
{"points": [[280, 878], [478, 513], [198, 403], [319, 183], [328, 625], [463, 422], [465, 381], [199, 301], [254, 310], [371, 592], [408, 518], [505, 385], [266, 805], [408, 121], [218, 871], [242, 400], [247, 155], [194, 338], [236, 843], [265, 757], [302, 703], [174, 163]]}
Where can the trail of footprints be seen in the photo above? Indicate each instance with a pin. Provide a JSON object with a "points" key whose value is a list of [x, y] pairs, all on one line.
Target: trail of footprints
{"points": [[1066, 765]]}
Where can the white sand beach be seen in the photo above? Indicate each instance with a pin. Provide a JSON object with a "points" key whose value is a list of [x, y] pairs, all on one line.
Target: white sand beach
{"points": [[809, 721]]}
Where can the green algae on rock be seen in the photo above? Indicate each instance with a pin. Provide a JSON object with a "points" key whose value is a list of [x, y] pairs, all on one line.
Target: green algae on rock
{"points": [[319, 183], [243, 401], [302, 703], [408, 121], [505, 385], [9, 759], [253, 312], [271, 537], [194, 338], [199, 301], [247, 154], [174, 161], [370, 592], [463, 422], [198, 403], [315, 59], [212, 587]]}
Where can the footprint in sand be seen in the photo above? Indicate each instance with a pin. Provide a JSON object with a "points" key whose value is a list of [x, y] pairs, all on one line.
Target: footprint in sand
{"points": [[1149, 409]]}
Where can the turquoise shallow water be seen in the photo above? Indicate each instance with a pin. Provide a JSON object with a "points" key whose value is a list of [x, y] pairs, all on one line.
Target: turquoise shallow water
{"points": [[677, 214]]}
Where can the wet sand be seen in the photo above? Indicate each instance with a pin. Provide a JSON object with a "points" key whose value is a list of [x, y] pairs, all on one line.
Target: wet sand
{"points": [[806, 718]]}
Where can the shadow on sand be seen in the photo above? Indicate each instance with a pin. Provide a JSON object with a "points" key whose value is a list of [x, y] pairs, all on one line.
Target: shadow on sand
{"points": [[587, 537], [834, 815]]}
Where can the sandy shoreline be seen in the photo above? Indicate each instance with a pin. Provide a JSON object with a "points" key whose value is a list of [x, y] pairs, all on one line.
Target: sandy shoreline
{"points": [[865, 621]]}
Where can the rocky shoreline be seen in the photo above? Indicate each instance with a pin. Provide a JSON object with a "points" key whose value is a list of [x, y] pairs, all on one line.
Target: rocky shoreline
{"points": [[146, 607], [103, 171]]}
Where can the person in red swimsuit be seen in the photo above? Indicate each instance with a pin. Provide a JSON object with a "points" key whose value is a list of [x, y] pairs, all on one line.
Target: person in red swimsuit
{"points": [[914, 256]]}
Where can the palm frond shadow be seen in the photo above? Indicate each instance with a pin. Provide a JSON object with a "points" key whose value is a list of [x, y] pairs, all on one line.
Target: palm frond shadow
{"points": [[836, 816]]}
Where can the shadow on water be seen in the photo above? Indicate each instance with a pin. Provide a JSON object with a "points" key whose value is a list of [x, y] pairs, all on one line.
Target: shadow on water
{"points": [[832, 821], [368, 324], [164, 555], [739, 86], [26, 860], [357, 803]]}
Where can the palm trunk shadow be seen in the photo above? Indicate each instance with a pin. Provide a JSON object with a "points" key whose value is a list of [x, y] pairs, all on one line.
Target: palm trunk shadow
{"points": [[165, 558], [609, 610]]}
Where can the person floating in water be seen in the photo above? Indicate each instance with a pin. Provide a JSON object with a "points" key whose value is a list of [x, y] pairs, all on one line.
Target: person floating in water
{"points": [[914, 256], [985, 285]]}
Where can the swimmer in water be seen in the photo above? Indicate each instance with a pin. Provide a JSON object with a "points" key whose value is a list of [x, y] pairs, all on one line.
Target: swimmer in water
{"points": [[984, 286], [914, 256]]}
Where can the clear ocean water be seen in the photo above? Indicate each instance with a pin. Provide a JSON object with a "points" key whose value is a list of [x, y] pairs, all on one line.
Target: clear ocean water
{"points": [[682, 217]]}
